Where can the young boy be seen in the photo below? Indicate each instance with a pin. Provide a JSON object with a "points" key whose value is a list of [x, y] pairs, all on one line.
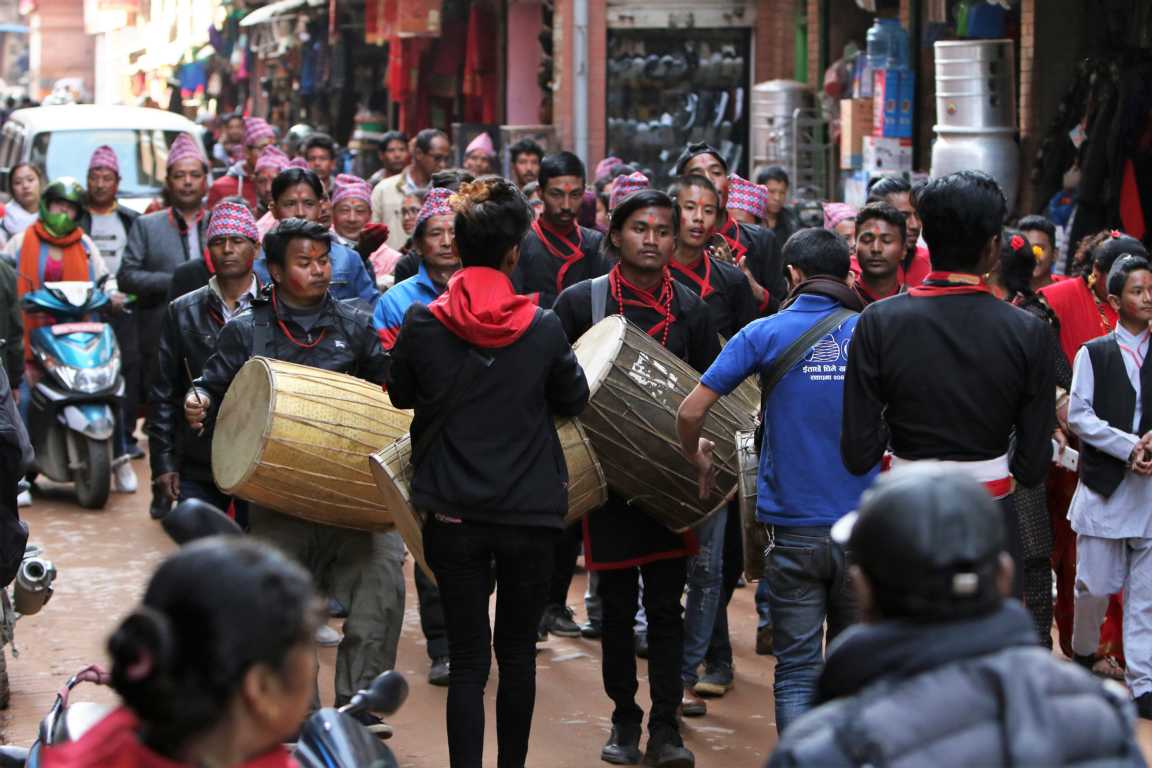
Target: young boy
{"points": [[1111, 513]]}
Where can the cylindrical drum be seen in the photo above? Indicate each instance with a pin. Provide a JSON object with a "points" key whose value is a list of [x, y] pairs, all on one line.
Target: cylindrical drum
{"points": [[392, 468], [637, 387], [296, 439], [976, 112], [754, 536]]}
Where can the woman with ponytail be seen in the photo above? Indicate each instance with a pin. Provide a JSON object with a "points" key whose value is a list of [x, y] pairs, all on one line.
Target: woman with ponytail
{"points": [[215, 668]]}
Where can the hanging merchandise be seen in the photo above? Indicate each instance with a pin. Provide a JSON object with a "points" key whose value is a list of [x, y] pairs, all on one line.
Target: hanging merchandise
{"points": [[481, 86]]}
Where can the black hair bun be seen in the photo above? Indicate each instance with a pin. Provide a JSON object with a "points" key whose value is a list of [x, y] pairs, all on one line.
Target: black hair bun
{"points": [[141, 648]]}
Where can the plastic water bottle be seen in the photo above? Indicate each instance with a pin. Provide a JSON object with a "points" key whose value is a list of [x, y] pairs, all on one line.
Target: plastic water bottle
{"points": [[887, 45]]}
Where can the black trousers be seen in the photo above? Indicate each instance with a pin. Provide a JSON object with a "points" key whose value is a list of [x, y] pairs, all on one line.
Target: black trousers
{"points": [[564, 565], [663, 587], [431, 616], [462, 556]]}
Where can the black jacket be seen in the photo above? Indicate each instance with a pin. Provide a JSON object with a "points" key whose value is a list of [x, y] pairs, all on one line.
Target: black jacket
{"points": [[538, 270], [11, 325], [974, 692], [765, 261], [729, 296], [496, 458], [191, 327], [350, 345], [188, 277]]}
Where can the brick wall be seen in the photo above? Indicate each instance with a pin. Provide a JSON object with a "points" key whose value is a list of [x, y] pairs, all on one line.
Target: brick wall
{"points": [[815, 23], [775, 40], [60, 47]]}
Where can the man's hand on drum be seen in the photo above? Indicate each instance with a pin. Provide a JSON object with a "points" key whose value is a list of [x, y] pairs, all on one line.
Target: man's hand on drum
{"points": [[705, 468], [196, 404]]}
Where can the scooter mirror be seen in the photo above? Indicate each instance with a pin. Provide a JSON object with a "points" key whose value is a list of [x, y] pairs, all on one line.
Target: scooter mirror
{"points": [[194, 519], [386, 694]]}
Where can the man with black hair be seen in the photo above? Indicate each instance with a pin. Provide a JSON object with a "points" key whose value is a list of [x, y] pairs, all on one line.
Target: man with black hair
{"points": [[301, 322], [525, 157], [393, 154], [319, 150], [778, 216], [880, 234], [1110, 410], [803, 486], [898, 193], [754, 249], [990, 410], [622, 543], [944, 670], [432, 152], [1041, 233]]}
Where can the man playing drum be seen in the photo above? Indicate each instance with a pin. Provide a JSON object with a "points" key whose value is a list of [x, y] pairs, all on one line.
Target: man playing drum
{"points": [[302, 323], [621, 542]]}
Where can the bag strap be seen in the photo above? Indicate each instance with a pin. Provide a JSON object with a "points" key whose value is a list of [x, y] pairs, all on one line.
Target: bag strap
{"points": [[599, 298], [462, 381], [262, 330], [798, 350]]}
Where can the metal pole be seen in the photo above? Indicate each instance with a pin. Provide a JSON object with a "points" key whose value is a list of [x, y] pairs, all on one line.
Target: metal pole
{"points": [[580, 79]]}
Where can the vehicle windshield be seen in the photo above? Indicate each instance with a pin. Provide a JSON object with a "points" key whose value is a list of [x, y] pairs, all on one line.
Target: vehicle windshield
{"points": [[142, 154]]}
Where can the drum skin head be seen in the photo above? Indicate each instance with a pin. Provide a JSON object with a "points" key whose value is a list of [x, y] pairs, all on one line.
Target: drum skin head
{"points": [[241, 425], [598, 347]]}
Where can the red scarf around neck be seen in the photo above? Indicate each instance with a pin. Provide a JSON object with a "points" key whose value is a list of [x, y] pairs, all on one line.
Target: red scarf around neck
{"points": [[938, 284], [572, 252], [661, 302]]}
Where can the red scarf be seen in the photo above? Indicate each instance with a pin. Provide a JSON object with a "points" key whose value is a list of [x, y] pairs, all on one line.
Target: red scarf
{"points": [[731, 234], [704, 283], [661, 303], [1082, 316], [938, 284], [574, 252], [482, 308], [73, 266]]}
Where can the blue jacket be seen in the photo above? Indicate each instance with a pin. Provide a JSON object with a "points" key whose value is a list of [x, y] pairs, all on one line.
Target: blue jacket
{"points": [[350, 280], [394, 304], [803, 480]]}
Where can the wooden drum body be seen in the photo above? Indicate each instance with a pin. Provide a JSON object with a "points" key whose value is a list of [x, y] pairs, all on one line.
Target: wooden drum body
{"points": [[637, 387], [754, 536], [295, 439], [392, 469]]}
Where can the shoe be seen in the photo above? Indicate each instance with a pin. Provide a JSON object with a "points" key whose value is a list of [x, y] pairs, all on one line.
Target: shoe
{"points": [[327, 637], [1109, 668], [135, 452], [623, 746], [764, 641], [741, 583], [692, 705], [557, 620], [1144, 706], [24, 499], [591, 630], [336, 609], [668, 754], [642, 644], [439, 672], [716, 681], [123, 476]]}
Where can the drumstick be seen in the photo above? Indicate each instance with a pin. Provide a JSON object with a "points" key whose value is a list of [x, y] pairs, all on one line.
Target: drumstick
{"points": [[195, 392]]}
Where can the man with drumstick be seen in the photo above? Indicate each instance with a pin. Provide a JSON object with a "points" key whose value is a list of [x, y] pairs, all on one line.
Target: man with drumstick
{"points": [[182, 459], [621, 542], [301, 322]]}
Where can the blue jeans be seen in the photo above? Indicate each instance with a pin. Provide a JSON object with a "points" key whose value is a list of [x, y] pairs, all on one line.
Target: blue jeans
{"points": [[705, 583], [763, 610], [808, 583]]}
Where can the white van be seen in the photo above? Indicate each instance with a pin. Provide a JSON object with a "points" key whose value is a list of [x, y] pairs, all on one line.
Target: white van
{"points": [[61, 139]]}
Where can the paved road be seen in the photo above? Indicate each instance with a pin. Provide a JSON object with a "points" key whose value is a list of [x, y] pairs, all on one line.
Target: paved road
{"points": [[104, 559]]}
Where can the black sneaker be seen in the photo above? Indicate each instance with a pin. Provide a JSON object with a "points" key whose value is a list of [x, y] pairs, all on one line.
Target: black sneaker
{"points": [[668, 753], [642, 644], [591, 630], [557, 620], [438, 673], [623, 746]]}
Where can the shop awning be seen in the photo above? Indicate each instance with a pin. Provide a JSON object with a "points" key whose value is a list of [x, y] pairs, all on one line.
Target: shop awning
{"points": [[272, 11]]}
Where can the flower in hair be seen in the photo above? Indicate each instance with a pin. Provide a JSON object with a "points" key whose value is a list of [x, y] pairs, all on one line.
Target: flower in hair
{"points": [[1016, 242], [1115, 234], [1038, 252]]}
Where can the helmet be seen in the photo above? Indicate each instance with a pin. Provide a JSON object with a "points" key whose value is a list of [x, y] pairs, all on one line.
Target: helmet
{"points": [[296, 137], [65, 189]]}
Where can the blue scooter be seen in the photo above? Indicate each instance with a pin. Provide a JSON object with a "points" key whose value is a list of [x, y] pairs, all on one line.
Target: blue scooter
{"points": [[72, 413]]}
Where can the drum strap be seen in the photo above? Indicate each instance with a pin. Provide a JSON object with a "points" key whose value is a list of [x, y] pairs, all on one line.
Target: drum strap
{"points": [[600, 289], [262, 330], [799, 349], [463, 378]]}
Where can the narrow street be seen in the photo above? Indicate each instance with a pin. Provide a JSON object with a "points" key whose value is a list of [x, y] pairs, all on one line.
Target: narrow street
{"points": [[104, 559]]}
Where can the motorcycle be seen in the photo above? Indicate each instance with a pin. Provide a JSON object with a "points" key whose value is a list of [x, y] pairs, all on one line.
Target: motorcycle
{"points": [[72, 413], [329, 738], [30, 591]]}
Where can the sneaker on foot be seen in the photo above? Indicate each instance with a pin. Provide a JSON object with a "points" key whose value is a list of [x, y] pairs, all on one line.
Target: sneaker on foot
{"points": [[439, 672], [328, 637], [123, 476], [591, 630], [336, 609], [642, 644], [24, 499], [692, 705], [557, 620], [716, 681]]}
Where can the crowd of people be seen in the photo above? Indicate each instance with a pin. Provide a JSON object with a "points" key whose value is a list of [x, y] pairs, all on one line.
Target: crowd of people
{"points": [[915, 336]]}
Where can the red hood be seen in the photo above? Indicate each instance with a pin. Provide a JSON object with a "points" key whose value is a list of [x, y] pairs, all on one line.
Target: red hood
{"points": [[480, 306]]}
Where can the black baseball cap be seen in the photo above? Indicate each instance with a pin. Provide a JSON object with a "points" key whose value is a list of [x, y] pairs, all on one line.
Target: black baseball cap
{"points": [[1118, 244], [929, 541], [700, 148]]}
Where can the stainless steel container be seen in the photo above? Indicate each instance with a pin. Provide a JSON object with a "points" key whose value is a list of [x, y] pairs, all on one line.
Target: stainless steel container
{"points": [[975, 84], [976, 112], [771, 120]]}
